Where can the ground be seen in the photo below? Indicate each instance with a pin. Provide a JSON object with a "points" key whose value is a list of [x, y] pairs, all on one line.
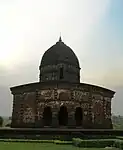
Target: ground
{"points": [[42, 146]]}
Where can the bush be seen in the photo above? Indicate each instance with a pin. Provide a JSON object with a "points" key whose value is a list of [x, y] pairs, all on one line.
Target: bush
{"points": [[118, 144], [120, 137], [100, 143], [8, 125], [1, 121], [101, 137], [36, 141], [25, 140], [62, 142]]}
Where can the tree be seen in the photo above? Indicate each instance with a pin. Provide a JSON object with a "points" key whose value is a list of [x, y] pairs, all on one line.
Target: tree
{"points": [[8, 125], [1, 121]]}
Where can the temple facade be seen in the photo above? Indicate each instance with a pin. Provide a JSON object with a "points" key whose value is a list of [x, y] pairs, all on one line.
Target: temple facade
{"points": [[59, 99]]}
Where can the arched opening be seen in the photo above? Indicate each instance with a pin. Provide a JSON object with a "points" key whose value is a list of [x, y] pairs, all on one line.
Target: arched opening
{"points": [[78, 116], [63, 116], [47, 116]]}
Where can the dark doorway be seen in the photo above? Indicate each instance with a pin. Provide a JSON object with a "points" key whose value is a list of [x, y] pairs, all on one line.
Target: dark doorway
{"points": [[78, 116], [63, 116], [47, 116], [61, 73]]}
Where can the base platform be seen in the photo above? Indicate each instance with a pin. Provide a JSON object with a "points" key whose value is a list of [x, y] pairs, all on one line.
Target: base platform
{"points": [[56, 133]]}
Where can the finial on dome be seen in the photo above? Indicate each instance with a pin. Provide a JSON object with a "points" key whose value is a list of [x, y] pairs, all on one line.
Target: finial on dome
{"points": [[60, 39]]}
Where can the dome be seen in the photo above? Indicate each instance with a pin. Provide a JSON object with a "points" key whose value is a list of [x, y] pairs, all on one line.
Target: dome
{"points": [[59, 53], [59, 63]]}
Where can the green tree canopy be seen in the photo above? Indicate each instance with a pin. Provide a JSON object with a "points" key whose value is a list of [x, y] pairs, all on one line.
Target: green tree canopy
{"points": [[1, 121]]}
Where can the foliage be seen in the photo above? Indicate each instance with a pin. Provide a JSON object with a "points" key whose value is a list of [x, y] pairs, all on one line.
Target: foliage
{"points": [[8, 125], [6, 120], [118, 144], [100, 143], [36, 141], [117, 122], [62, 142], [101, 137], [119, 137], [1, 121], [26, 141]]}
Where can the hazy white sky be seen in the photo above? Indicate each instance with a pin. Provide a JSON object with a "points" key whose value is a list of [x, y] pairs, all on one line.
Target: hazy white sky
{"points": [[92, 28], [29, 26]]}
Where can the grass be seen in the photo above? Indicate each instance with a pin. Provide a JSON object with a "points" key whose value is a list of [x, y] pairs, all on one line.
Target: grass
{"points": [[41, 146]]}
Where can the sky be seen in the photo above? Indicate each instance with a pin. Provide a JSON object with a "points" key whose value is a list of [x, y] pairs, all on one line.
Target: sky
{"points": [[92, 28]]}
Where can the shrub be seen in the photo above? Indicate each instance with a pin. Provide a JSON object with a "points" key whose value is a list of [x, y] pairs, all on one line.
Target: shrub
{"points": [[26, 140], [62, 142], [118, 144], [8, 125], [36, 141], [119, 137], [100, 137], [100, 143], [1, 121], [93, 143]]}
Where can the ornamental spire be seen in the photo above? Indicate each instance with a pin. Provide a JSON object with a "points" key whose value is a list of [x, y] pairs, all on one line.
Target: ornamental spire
{"points": [[60, 39]]}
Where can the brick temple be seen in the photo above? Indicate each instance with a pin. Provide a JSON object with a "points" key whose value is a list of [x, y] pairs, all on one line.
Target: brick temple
{"points": [[59, 99]]}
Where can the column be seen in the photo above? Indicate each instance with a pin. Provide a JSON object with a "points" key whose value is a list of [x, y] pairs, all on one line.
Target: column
{"points": [[71, 111], [21, 124], [38, 111], [90, 125], [55, 110]]}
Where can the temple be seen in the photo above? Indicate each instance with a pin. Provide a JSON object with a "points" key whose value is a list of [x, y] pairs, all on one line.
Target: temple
{"points": [[59, 99]]}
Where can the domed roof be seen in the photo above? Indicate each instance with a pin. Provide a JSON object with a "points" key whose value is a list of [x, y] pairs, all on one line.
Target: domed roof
{"points": [[59, 53]]}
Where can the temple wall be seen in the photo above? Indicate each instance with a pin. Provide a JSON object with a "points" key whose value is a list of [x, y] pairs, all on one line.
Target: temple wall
{"points": [[17, 104], [69, 98], [24, 108], [28, 107]]}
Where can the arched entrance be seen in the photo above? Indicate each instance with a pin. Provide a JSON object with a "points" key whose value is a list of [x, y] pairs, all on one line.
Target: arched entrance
{"points": [[63, 116], [78, 116], [47, 116]]}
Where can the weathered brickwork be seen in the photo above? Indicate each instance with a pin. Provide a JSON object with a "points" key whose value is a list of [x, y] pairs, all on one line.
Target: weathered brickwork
{"points": [[17, 109], [51, 73], [28, 107]]}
